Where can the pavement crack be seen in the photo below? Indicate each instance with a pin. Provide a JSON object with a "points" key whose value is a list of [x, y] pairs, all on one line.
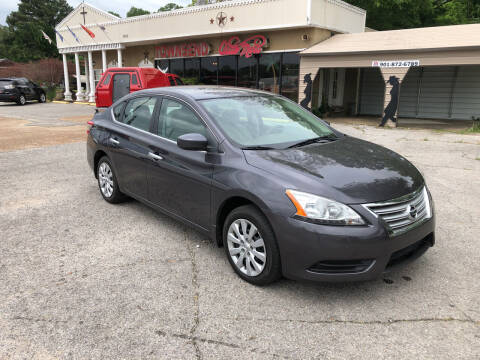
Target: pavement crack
{"points": [[197, 339], [33, 319], [357, 322], [196, 294]]}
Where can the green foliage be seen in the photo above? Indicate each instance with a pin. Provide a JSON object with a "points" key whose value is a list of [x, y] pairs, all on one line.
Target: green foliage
{"points": [[169, 7], [114, 13], [23, 39], [404, 14], [51, 92], [137, 12]]}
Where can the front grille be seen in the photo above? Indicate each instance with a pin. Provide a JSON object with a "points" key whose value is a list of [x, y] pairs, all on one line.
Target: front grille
{"points": [[405, 213]]}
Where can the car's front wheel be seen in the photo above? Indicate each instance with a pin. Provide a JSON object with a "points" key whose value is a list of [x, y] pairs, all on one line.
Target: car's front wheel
{"points": [[21, 100], [251, 246], [42, 98], [107, 182]]}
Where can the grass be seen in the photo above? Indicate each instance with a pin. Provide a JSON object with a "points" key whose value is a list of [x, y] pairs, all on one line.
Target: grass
{"points": [[477, 158], [425, 139]]}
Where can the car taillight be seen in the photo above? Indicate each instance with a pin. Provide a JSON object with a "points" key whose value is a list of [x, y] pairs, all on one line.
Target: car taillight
{"points": [[90, 123]]}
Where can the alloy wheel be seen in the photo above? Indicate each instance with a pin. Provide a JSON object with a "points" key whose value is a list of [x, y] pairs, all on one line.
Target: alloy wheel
{"points": [[246, 247], [105, 179], [22, 100], [42, 98]]}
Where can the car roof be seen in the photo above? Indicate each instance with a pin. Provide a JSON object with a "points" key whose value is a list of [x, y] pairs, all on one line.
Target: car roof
{"points": [[203, 92]]}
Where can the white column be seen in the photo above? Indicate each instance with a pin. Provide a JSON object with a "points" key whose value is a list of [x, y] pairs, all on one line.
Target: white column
{"points": [[91, 95], [87, 81], [104, 60], [79, 82], [119, 57], [67, 94]]}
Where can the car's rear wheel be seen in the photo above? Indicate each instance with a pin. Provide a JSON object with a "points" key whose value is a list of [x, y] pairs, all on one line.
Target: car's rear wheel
{"points": [[42, 98], [21, 100], [107, 182], [251, 246]]}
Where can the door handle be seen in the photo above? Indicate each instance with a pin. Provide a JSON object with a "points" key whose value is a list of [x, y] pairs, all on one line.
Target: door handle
{"points": [[114, 141], [154, 157]]}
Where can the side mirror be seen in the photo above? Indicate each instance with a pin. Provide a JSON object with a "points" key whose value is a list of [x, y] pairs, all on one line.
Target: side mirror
{"points": [[195, 142]]}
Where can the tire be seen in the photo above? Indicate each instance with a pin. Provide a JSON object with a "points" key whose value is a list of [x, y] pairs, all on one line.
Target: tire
{"points": [[42, 98], [21, 100], [107, 182], [257, 254]]}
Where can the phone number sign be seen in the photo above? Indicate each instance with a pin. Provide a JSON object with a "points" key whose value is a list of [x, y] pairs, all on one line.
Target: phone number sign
{"points": [[395, 63]]}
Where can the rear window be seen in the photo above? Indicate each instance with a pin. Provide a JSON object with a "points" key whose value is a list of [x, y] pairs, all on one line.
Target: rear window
{"points": [[134, 79], [107, 79], [179, 81], [5, 82], [172, 81]]}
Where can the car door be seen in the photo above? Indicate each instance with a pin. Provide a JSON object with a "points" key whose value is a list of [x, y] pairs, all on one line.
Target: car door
{"points": [[129, 140], [180, 180], [121, 86], [103, 92], [27, 89]]}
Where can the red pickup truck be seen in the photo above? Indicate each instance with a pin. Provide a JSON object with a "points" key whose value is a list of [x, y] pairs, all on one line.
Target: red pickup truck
{"points": [[118, 82]]}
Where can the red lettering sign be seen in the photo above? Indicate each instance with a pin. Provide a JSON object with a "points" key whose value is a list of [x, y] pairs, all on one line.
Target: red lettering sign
{"points": [[182, 50], [249, 47]]}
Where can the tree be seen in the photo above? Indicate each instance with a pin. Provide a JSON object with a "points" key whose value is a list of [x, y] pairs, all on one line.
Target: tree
{"points": [[24, 38], [457, 12], [169, 7], [137, 12], [114, 13], [397, 14], [404, 14]]}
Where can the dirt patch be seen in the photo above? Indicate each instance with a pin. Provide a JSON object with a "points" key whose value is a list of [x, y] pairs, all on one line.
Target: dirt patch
{"points": [[17, 134]]}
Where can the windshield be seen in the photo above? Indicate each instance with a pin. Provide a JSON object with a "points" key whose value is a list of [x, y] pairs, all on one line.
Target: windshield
{"points": [[264, 121]]}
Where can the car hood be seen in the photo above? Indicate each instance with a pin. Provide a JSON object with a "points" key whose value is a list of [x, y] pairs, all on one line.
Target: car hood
{"points": [[349, 170]]}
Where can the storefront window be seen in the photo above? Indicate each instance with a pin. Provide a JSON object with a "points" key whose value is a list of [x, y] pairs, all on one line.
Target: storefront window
{"points": [[275, 72], [227, 70], [163, 65], [192, 71], [247, 72], [290, 74], [269, 73], [208, 73], [176, 67]]}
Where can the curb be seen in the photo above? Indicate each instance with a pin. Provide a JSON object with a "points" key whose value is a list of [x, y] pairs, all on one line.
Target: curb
{"points": [[72, 102]]}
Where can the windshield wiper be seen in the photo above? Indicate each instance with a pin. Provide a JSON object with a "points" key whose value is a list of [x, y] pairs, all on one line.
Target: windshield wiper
{"points": [[257, 148], [331, 137]]}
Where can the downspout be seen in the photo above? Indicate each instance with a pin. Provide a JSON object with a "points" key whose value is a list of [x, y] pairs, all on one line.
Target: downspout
{"points": [[309, 12]]}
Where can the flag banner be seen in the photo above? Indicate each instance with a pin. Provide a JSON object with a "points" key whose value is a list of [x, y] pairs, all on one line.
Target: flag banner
{"points": [[46, 37], [59, 35], [88, 31], [73, 34]]}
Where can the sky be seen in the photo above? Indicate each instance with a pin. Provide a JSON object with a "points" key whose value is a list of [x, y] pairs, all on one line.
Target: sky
{"points": [[119, 6]]}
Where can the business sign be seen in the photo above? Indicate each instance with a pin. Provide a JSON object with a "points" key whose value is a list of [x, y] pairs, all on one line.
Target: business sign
{"points": [[395, 63], [248, 47], [182, 50]]}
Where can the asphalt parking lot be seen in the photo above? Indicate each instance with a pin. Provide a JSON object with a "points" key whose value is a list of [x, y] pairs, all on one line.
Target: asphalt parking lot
{"points": [[82, 279]]}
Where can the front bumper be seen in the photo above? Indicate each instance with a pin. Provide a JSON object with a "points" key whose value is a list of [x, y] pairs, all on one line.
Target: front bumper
{"points": [[340, 254]]}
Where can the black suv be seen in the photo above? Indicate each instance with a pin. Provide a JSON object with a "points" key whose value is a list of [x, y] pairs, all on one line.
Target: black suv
{"points": [[20, 90]]}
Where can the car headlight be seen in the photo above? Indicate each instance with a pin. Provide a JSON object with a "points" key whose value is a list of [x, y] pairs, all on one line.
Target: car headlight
{"points": [[324, 211], [9, 86]]}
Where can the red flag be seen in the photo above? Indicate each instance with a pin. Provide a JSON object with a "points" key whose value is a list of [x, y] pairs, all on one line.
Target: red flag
{"points": [[89, 32]]}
